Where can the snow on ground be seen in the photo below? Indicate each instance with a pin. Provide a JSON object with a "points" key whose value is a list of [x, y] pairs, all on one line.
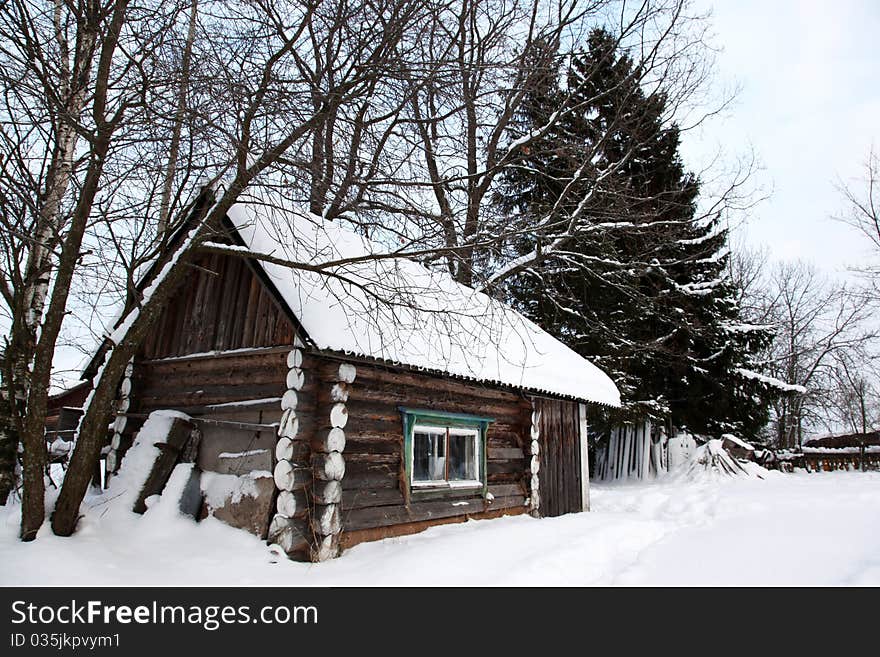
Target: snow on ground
{"points": [[785, 529]]}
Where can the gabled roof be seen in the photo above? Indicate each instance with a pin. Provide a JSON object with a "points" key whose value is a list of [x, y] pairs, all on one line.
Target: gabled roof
{"points": [[400, 312]]}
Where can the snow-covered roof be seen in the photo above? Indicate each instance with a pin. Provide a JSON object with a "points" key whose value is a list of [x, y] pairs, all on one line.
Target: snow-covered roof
{"points": [[869, 449], [399, 311]]}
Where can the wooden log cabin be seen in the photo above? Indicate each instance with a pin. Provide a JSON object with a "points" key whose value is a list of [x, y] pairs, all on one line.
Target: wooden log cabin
{"points": [[373, 400]]}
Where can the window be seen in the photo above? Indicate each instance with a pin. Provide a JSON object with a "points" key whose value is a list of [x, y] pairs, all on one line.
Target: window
{"points": [[445, 450], [445, 456]]}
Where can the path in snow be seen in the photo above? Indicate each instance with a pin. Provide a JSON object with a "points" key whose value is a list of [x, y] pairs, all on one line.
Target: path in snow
{"points": [[788, 529]]}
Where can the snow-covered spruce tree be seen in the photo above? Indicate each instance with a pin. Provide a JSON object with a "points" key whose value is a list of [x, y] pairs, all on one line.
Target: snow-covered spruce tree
{"points": [[642, 288]]}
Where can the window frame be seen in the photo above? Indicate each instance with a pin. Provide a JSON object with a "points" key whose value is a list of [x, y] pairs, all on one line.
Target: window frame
{"points": [[413, 418]]}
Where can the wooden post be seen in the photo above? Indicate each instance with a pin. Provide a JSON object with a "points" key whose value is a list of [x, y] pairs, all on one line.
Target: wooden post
{"points": [[535, 464], [619, 444], [646, 450], [328, 467], [611, 458], [627, 451]]}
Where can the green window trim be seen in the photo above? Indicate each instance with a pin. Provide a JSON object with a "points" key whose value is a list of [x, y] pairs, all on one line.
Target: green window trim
{"points": [[416, 416]]}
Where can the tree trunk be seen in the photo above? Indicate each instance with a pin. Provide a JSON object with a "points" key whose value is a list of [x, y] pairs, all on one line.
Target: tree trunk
{"points": [[11, 398], [98, 413], [33, 430], [37, 276], [8, 446]]}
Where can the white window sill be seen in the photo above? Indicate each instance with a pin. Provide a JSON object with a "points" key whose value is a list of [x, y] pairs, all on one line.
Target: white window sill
{"points": [[440, 485]]}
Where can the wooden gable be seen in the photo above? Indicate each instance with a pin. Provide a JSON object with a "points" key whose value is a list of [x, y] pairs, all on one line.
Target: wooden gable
{"points": [[223, 305]]}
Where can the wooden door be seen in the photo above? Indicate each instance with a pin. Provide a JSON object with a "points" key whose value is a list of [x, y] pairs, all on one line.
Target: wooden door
{"points": [[560, 473]]}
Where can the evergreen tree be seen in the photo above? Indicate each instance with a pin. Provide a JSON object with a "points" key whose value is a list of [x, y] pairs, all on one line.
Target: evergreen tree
{"points": [[644, 293]]}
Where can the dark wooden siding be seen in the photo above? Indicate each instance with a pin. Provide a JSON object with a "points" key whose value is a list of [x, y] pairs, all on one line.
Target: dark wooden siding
{"points": [[560, 474], [194, 383], [223, 306], [374, 484], [829, 462]]}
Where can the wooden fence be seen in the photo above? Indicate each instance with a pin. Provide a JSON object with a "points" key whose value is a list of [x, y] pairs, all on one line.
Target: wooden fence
{"points": [[631, 452]]}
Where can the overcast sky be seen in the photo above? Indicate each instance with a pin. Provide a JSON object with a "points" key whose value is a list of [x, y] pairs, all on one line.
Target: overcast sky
{"points": [[809, 106]]}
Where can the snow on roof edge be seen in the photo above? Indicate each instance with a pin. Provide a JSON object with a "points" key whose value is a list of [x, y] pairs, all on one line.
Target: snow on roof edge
{"points": [[460, 377]]}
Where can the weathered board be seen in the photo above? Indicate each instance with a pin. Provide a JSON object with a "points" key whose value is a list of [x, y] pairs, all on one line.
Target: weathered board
{"points": [[223, 306], [560, 473], [351, 538], [169, 455], [194, 383]]}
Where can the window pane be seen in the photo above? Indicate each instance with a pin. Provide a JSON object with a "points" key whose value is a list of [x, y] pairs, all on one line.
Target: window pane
{"points": [[462, 457], [429, 455]]}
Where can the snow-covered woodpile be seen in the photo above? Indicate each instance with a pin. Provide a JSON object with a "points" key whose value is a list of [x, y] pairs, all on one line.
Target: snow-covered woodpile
{"points": [[738, 447], [713, 459], [643, 451], [632, 452]]}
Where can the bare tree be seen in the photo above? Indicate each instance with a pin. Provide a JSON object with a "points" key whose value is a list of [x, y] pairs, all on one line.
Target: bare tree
{"points": [[488, 56], [746, 268], [75, 74], [184, 82], [818, 325], [863, 208], [855, 404]]}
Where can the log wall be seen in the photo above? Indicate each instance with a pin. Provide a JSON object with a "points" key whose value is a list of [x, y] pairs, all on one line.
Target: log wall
{"points": [[292, 528], [222, 340], [368, 441], [376, 501], [199, 384]]}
